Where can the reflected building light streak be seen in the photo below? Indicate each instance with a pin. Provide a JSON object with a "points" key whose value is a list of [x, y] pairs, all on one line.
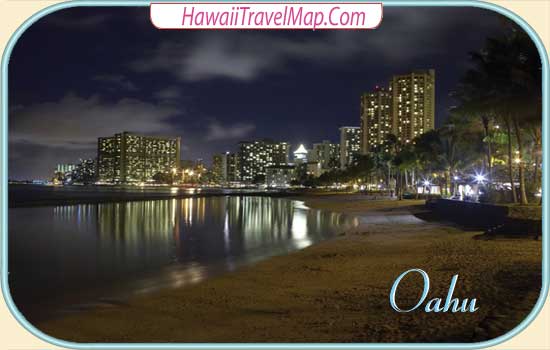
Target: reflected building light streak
{"points": [[299, 228], [201, 209], [173, 212], [226, 231], [191, 201], [171, 242]]}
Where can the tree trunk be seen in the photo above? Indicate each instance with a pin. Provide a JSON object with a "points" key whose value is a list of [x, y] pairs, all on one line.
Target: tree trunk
{"points": [[415, 185], [521, 165], [536, 157], [489, 161], [448, 182], [400, 184], [510, 160]]}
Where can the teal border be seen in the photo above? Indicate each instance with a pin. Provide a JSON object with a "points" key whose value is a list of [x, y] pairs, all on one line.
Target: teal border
{"points": [[404, 3]]}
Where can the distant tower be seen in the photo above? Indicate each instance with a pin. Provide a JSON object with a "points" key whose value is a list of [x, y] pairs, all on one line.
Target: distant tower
{"points": [[413, 104], [350, 145], [376, 118], [300, 155]]}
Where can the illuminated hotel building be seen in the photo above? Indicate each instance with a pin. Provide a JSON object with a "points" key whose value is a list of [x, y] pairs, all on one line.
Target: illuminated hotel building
{"points": [[413, 97], [130, 158], [219, 168], [279, 176], [255, 156], [376, 118], [225, 167], [64, 168], [350, 145], [327, 154], [233, 167]]}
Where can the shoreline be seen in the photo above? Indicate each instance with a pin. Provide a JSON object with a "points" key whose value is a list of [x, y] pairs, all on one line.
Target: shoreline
{"points": [[336, 290], [52, 196]]}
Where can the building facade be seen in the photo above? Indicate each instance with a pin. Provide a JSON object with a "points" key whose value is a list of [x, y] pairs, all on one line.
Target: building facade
{"points": [[132, 158], [85, 171], [279, 176], [376, 119], [350, 145], [413, 104], [62, 173], [233, 168], [64, 168], [327, 154], [219, 168], [255, 156], [225, 167]]}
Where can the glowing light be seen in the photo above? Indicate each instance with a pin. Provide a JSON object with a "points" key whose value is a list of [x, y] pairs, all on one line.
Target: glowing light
{"points": [[480, 178], [426, 182], [517, 160], [301, 150], [456, 177]]}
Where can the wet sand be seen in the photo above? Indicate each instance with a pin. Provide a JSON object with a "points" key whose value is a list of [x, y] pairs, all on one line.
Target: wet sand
{"points": [[338, 290]]}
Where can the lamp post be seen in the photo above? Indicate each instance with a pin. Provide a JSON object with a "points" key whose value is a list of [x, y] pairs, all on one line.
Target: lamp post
{"points": [[480, 179]]}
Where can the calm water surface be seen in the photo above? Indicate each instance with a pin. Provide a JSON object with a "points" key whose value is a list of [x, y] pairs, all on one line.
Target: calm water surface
{"points": [[68, 257]]}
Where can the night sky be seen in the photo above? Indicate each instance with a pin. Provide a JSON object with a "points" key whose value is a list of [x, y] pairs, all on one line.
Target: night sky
{"points": [[82, 73]]}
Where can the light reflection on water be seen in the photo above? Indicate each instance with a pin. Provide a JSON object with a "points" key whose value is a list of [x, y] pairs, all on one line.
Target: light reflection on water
{"points": [[95, 250]]}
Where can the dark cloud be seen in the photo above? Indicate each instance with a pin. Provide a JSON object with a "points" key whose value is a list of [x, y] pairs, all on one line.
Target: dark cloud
{"points": [[116, 81], [217, 131], [248, 55], [169, 94], [75, 122], [33, 161]]}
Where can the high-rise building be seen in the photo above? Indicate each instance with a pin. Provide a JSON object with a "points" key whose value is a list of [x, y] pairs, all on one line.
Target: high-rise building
{"points": [[129, 158], [350, 145], [327, 154], [62, 173], [376, 118], [233, 167], [413, 104], [64, 168], [84, 172], [279, 176], [255, 156], [219, 168], [225, 167]]}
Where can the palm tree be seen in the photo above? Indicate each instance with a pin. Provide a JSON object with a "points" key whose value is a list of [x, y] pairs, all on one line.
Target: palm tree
{"points": [[518, 87], [506, 83]]}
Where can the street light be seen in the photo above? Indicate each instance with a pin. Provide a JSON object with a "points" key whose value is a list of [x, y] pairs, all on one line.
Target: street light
{"points": [[480, 178]]}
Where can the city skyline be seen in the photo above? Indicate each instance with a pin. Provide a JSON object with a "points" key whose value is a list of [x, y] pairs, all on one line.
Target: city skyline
{"points": [[227, 89]]}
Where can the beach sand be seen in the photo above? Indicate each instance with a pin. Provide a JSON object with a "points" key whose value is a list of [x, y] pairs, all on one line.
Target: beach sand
{"points": [[338, 290]]}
